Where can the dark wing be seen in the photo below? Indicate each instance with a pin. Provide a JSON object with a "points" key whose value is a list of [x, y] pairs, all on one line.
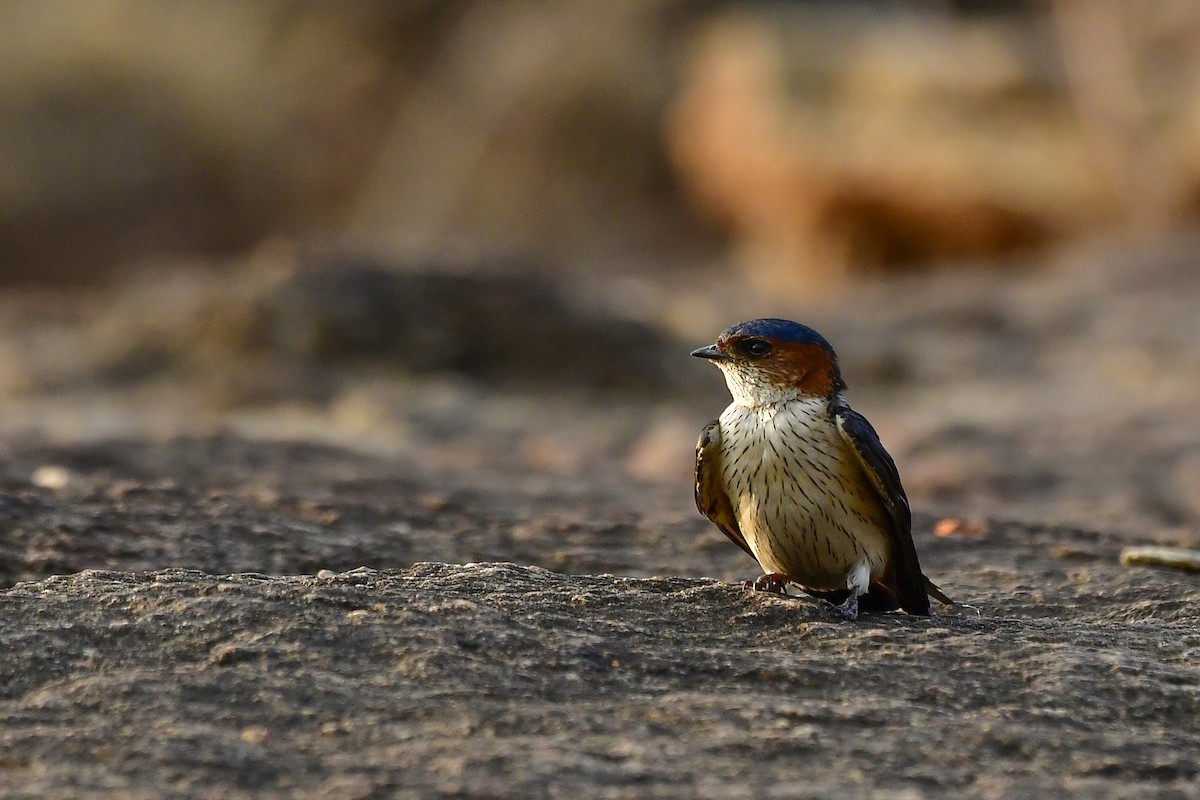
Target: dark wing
{"points": [[711, 499], [912, 589]]}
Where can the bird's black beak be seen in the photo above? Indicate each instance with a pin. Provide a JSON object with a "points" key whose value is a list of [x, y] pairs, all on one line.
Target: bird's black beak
{"points": [[711, 353]]}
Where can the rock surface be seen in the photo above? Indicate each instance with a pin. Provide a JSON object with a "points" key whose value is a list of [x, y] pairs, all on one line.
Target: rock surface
{"points": [[1042, 425], [1077, 676], [495, 679]]}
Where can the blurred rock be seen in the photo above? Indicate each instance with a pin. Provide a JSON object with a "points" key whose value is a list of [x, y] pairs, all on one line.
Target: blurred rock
{"points": [[270, 333], [500, 327]]}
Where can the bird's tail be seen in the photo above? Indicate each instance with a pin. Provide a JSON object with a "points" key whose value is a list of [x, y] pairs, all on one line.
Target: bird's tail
{"points": [[937, 594]]}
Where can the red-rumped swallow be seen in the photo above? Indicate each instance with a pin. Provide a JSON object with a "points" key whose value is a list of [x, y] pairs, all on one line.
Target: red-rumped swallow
{"points": [[800, 481]]}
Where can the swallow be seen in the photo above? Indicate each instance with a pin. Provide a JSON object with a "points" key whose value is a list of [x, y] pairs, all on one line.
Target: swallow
{"points": [[800, 481]]}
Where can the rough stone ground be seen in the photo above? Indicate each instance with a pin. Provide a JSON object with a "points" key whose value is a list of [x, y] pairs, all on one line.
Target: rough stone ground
{"points": [[305, 598], [486, 679]]}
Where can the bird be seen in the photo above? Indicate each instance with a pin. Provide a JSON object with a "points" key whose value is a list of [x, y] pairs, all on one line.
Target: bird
{"points": [[800, 481]]}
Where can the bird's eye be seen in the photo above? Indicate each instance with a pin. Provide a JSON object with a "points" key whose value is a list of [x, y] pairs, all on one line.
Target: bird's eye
{"points": [[758, 348]]}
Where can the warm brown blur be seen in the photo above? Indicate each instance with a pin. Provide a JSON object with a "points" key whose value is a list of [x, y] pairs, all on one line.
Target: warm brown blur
{"points": [[814, 139]]}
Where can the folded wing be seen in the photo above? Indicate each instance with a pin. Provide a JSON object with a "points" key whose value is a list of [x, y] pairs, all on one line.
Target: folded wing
{"points": [[904, 578], [711, 498]]}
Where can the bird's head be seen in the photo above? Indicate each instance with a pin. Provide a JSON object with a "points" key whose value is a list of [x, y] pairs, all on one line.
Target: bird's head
{"points": [[769, 360]]}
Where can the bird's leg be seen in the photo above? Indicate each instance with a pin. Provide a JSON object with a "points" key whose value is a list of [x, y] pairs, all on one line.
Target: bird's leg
{"points": [[858, 581], [848, 608], [770, 582]]}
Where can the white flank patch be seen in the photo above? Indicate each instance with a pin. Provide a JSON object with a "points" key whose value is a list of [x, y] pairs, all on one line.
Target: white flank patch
{"points": [[859, 579]]}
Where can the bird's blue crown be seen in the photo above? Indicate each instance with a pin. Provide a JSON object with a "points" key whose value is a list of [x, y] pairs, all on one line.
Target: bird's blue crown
{"points": [[780, 330]]}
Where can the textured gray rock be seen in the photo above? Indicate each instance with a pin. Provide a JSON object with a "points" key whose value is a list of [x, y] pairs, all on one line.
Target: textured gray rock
{"points": [[496, 679], [1060, 397]]}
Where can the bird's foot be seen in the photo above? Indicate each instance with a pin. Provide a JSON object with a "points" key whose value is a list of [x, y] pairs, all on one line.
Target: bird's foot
{"points": [[772, 582], [848, 608]]}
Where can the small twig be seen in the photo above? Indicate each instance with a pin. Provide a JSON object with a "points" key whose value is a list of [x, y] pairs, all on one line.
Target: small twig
{"points": [[1155, 556]]}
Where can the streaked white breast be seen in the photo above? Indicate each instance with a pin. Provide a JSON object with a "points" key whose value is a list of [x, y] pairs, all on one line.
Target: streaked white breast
{"points": [[799, 495]]}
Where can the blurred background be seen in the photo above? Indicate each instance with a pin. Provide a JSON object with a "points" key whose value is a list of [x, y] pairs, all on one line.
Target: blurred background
{"points": [[813, 138], [489, 231]]}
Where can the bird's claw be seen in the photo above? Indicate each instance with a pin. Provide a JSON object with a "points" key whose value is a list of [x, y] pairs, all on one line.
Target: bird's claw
{"points": [[771, 582], [848, 608]]}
